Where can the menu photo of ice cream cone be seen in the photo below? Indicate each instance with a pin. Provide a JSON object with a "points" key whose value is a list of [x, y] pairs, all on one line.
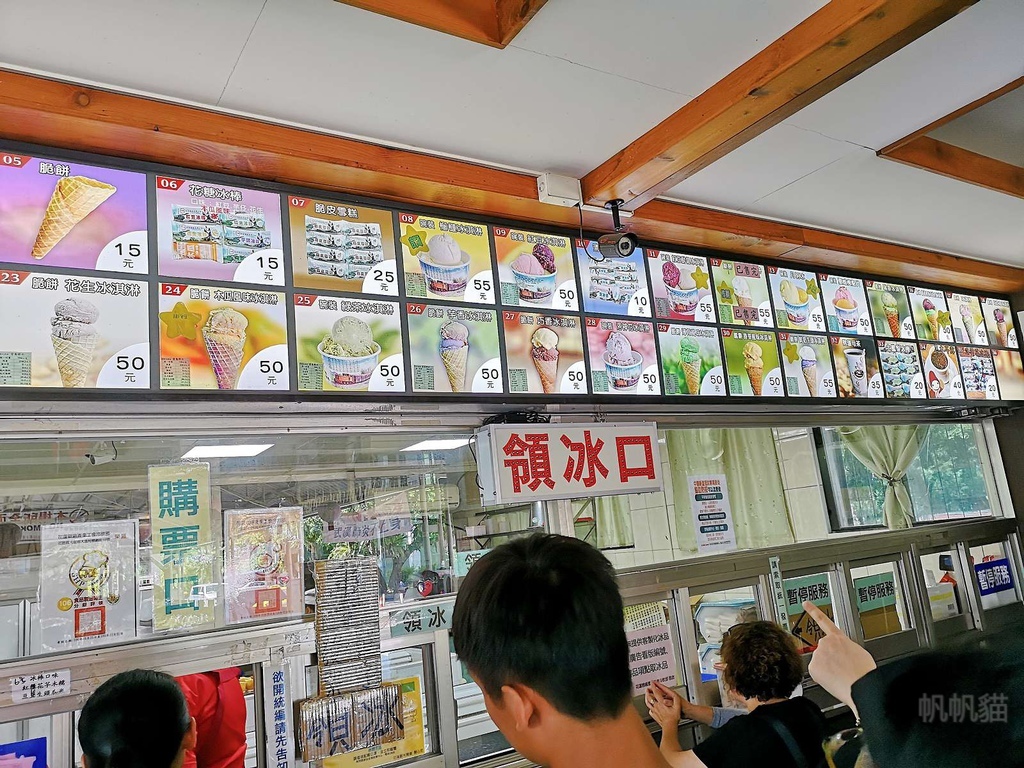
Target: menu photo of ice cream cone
{"points": [[999, 321], [73, 216], [807, 365], [681, 285], [222, 339], [932, 319], [890, 310], [72, 333], [691, 360], [942, 372], [623, 357], [967, 319], [544, 354], [752, 363], [454, 350], [348, 345], [742, 293], [901, 370], [797, 299], [535, 270], [846, 304], [446, 260], [858, 372]]}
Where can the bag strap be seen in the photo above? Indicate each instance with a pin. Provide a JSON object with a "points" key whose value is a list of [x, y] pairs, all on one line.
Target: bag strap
{"points": [[787, 738]]}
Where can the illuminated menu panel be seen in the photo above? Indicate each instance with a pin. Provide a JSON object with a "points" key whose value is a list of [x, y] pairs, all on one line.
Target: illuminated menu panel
{"points": [[613, 286], [742, 293], [544, 353], [682, 287], [454, 350], [752, 363], [535, 271], [445, 259], [623, 357], [691, 360]]}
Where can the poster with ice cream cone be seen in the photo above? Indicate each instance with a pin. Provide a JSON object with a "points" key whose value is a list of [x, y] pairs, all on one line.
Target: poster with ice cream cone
{"points": [[544, 354], [681, 286], [932, 320], [741, 291], [446, 260], [342, 247], [967, 319], [901, 370], [941, 371], [72, 216], [691, 360], [807, 365], [623, 357], [454, 350], [999, 321], [797, 299], [1010, 374], [613, 286], [222, 339], [535, 270], [846, 304], [63, 330], [752, 363], [211, 231], [348, 345], [858, 373], [890, 310], [978, 368]]}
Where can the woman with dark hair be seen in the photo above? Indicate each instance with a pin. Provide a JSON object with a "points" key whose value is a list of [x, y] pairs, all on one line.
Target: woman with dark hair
{"points": [[137, 719], [761, 668]]}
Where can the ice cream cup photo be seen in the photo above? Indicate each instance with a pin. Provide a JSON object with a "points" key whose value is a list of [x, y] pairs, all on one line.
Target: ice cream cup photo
{"points": [[349, 373], [445, 280], [797, 313], [849, 317], [534, 289], [624, 378], [683, 301]]}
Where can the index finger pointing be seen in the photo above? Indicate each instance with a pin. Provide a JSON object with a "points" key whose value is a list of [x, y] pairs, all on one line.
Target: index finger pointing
{"points": [[827, 625]]}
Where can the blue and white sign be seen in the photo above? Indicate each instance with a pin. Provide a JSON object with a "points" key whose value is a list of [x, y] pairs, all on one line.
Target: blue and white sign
{"points": [[994, 576]]}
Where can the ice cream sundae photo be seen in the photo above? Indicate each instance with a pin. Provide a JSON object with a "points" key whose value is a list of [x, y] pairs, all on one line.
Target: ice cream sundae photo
{"points": [[445, 266], [350, 354], [683, 294], [622, 363], [846, 308], [796, 302], [535, 274]]}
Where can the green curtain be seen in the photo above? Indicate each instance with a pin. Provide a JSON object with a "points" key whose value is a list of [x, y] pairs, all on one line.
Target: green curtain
{"points": [[614, 522], [748, 459], [887, 452]]}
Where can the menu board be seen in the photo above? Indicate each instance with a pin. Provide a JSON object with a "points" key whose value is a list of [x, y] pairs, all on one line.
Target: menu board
{"points": [[682, 287], [623, 357], [613, 286], [535, 270], [1010, 374], [858, 374], [901, 369], [807, 365], [890, 310], [966, 318], [222, 338], [348, 345], [544, 353], [454, 350], [340, 247], [846, 304], [941, 368], [752, 363], [999, 321], [209, 231], [72, 216], [797, 299], [66, 330], [979, 372], [742, 293], [931, 316], [691, 360], [446, 260]]}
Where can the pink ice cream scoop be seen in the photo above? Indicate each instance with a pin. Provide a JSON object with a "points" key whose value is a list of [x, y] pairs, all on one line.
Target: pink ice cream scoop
{"points": [[545, 256], [998, 315], [618, 349], [927, 305], [843, 293], [527, 264], [670, 272]]}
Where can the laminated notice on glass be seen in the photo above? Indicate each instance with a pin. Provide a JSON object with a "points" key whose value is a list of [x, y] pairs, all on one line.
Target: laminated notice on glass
{"points": [[348, 624], [263, 555], [88, 584]]}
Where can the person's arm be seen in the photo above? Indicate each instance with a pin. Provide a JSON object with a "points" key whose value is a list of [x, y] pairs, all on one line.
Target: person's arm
{"points": [[838, 662], [722, 715]]}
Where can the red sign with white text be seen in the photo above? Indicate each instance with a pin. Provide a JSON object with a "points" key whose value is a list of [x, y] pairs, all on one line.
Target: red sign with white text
{"points": [[530, 462]]}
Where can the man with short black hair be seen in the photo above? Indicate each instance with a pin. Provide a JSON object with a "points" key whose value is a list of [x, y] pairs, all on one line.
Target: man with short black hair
{"points": [[539, 624]]}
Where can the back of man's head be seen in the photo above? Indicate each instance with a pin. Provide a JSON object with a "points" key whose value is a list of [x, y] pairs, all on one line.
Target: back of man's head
{"points": [[545, 612], [137, 719]]}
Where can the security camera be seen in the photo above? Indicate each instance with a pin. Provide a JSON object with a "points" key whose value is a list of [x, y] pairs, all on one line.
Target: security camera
{"points": [[99, 459], [618, 245]]}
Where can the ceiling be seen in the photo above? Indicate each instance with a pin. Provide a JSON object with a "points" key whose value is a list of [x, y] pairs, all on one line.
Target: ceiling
{"points": [[580, 82], [995, 129]]}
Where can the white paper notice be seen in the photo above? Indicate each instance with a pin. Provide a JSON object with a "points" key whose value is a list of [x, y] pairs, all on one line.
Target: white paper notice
{"points": [[712, 515]]}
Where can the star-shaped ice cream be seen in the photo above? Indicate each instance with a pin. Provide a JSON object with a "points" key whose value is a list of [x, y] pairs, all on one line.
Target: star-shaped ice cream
{"points": [[415, 240], [181, 322], [791, 352], [812, 288], [945, 321], [700, 277], [725, 292]]}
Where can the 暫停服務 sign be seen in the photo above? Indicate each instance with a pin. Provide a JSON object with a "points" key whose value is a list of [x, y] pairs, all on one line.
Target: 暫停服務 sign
{"points": [[532, 462]]}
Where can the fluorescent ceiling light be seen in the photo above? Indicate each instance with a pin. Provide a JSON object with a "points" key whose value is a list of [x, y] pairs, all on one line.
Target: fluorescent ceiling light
{"points": [[226, 451], [439, 444]]}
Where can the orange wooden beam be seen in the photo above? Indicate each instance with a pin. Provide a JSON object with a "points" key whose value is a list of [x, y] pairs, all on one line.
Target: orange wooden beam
{"points": [[830, 47], [85, 119], [961, 164]]}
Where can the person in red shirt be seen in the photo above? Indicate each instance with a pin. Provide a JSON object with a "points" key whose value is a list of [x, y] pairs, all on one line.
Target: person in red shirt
{"points": [[217, 703]]}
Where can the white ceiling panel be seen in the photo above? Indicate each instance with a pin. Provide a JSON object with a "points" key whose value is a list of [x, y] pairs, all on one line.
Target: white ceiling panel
{"points": [[183, 49], [774, 159], [331, 66], [995, 129], [868, 195]]}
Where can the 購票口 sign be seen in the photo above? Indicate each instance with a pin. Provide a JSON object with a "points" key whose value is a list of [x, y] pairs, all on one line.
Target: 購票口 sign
{"points": [[532, 462]]}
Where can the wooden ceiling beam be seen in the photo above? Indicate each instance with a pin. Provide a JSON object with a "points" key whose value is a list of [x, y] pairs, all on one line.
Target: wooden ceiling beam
{"points": [[833, 45], [961, 164], [84, 119]]}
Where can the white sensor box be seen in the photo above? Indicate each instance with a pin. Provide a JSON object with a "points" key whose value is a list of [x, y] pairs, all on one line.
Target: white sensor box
{"points": [[558, 190]]}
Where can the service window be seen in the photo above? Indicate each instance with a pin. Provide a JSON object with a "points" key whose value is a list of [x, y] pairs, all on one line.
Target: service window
{"points": [[940, 580], [994, 575], [28, 743], [878, 597], [714, 614], [817, 588]]}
